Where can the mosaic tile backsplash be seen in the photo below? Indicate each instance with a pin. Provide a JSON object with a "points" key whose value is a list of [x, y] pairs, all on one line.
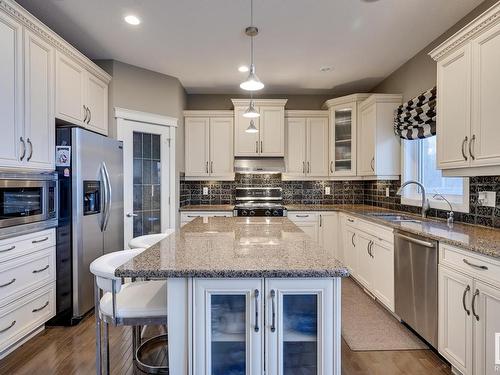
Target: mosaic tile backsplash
{"points": [[342, 192]]}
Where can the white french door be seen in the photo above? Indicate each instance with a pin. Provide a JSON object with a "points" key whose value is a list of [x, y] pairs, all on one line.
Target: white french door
{"points": [[147, 175]]}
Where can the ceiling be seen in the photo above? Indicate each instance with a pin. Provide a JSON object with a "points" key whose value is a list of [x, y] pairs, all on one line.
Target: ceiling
{"points": [[202, 42]]}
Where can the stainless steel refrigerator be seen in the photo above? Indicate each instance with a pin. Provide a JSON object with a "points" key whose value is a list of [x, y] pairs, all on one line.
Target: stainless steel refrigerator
{"points": [[90, 215]]}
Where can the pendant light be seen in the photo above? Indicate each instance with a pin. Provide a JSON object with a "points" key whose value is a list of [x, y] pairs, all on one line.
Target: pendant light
{"points": [[252, 82], [251, 113], [252, 128]]}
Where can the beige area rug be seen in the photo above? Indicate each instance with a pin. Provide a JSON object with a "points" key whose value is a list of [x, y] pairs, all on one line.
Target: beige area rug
{"points": [[368, 326]]}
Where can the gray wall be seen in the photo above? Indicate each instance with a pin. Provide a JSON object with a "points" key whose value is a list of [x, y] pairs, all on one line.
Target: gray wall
{"points": [[419, 73], [147, 91], [223, 101]]}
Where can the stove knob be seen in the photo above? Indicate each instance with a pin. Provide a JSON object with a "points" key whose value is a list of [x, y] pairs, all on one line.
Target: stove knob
{"points": [[276, 213], [244, 213], [268, 213], [252, 213]]}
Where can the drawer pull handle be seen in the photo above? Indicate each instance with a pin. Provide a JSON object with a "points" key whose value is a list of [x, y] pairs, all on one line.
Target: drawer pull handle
{"points": [[9, 283], [479, 267], [41, 308], [9, 249], [42, 240], [466, 290], [302, 215], [193, 216], [350, 220], [41, 269], [9, 327]]}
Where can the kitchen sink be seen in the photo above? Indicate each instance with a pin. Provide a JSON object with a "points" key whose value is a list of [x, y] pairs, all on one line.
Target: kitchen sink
{"points": [[395, 217]]}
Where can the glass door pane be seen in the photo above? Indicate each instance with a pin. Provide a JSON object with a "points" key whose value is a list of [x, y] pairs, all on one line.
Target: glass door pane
{"points": [[343, 135], [228, 334], [300, 334], [146, 178]]}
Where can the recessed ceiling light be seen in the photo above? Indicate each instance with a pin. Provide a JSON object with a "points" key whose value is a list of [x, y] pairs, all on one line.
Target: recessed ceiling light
{"points": [[132, 20], [243, 69], [325, 69]]}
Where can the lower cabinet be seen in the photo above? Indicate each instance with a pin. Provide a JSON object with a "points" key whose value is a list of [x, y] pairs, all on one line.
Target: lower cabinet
{"points": [[469, 312], [283, 325], [188, 216], [307, 221]]}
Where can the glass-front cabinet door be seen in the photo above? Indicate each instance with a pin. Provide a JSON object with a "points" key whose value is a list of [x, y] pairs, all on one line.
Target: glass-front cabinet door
{"points": [[299, 327], [343, 140], [228, 327]]}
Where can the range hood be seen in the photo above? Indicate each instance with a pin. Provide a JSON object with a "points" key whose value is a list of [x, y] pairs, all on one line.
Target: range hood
{"points": [[259, 165]]}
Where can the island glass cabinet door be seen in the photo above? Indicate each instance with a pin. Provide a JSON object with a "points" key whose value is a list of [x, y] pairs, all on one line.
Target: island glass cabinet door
{"points": [[300, 327], [228, 327]]}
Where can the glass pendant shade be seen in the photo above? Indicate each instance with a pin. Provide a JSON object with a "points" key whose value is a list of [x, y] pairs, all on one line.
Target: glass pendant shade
{"points": [[253, 82], [251, 112], [251, 128]]}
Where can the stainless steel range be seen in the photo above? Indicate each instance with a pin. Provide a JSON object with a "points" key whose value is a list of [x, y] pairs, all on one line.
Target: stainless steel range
{"points": [[258, 201]]}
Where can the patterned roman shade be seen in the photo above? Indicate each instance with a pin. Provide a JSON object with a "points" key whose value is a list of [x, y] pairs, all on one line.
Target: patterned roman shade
{"points": [[416, 118]]}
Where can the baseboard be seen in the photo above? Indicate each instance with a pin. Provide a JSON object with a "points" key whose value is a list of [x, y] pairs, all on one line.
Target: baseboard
{"points": [[20, 342]]}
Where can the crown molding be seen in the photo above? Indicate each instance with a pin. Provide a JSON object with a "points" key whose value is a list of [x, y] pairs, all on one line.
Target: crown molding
{"points": [[149, 118], [43, 31], [259, 102], [353, 98], [482, 22], [208, 113], [306, 113], [382, 98]]}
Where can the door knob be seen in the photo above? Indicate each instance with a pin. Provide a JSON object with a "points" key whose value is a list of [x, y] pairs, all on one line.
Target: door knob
{"points": [[131, 215]]}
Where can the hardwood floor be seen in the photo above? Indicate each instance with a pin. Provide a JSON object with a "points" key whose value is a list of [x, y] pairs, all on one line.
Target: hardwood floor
{"points": [[71, 350]]}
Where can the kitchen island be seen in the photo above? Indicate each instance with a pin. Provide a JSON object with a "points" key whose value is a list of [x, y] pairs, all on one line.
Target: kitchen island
{"points": [[244, 294]]}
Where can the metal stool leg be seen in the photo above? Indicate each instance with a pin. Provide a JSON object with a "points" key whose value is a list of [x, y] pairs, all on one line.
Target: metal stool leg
{"points": [[98, 357], [106, 347]]}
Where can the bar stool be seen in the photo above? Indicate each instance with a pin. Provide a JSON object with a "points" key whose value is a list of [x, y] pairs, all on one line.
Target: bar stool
{"points": [[149, 240], [129, 304]]}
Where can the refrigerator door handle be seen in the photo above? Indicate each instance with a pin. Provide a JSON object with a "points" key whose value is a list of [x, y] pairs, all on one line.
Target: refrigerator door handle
{"points": [[104, 189], [107, 183]]}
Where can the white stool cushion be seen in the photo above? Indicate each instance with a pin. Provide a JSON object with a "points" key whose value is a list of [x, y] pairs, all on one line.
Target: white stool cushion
{"points": [[137, 300], [104, 267], [149, 239]]}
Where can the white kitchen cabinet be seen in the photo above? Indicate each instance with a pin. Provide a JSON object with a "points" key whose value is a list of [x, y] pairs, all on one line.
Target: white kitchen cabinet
{"points": [[11, 89], [468, 95], [383, 272], [329, 233], [376, 138], [365, 269], [343, 134], [188, 216], [209, 145], [307, 144], [350, 256], [269, 141], [81, 97], [307, 221], [39, 121], [455, 323], [228, 326], [469, 307], [300, 321]]}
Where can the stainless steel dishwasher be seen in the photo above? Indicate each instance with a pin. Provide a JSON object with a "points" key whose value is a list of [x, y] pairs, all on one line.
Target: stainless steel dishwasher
{"points": [[416, 283]]}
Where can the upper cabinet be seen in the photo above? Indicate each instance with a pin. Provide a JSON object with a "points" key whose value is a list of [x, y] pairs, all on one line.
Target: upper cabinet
{"points": [[43, 77], [468, 78], [343, 134], [376, 138], [306, 144], [270, 139], [81, 97], [209, 145]]}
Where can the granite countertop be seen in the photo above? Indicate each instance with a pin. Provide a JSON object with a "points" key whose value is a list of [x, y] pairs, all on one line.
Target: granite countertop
{"points": [[235, 247], [205, 207], [475, 238]]}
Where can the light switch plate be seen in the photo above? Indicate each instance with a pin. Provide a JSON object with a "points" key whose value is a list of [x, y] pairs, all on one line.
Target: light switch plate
{"points": [[386, 191], [205, 190], [487, 198], [327, 190]]}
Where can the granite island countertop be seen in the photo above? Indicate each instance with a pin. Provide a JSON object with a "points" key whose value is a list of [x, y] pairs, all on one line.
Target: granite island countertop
{"points": [[235, 247]]}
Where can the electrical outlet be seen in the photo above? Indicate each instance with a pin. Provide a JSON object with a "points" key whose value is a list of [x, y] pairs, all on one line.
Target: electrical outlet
{"points": [[487, 198], [205, 190], [386, 191], [327, 190]]}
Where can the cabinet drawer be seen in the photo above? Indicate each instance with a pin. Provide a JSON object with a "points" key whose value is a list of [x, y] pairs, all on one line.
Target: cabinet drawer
{"points": [[349, 220], [24, 315], [478, 266], [25, 274], [14, 247], [303, 216]]}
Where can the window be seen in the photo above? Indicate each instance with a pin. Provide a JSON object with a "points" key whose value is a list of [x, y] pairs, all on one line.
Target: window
{"points": [[419, 163]]}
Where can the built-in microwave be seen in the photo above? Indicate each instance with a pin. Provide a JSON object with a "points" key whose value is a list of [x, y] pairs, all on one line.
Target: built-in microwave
{"points": [[27, 201]]}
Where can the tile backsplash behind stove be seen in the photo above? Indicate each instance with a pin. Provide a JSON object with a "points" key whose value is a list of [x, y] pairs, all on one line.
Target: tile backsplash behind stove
{"points": [[342, 192]]}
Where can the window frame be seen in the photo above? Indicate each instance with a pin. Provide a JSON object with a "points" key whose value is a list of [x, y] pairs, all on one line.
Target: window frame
{"points": [[410, 195]]}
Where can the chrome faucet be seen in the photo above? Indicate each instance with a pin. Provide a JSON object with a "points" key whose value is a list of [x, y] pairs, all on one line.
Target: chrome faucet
{"points": [[425, 201], [450, 214]]}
